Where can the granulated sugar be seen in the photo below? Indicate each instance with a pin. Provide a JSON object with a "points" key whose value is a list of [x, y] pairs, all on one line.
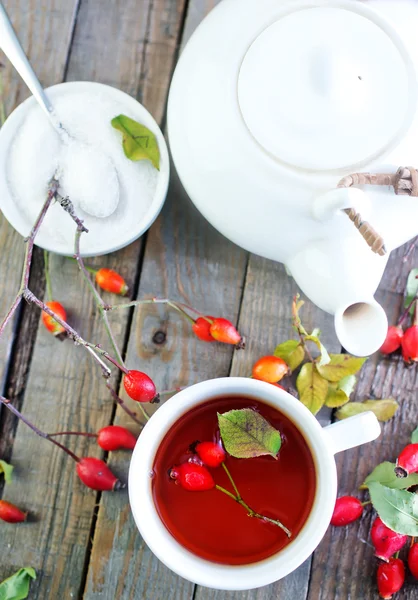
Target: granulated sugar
{"points": [[111, 193]]}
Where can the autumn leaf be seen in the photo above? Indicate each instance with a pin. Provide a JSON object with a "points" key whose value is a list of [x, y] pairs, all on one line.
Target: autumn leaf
{"points": [[312, 388], [246, 434], [335, 397], [292, 352], [340, 366], [139, 143], [324, 357], [383, 409]]}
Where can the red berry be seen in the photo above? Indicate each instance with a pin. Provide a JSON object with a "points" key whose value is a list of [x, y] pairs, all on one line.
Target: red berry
{"points": [[390, 577], [10, 513], [139, 386], [413, 560], [410, 344], [201, 328], [407, 461], [114, 437], [210, 454], [95, 474], [193, 477], [393, 340], [50, 323], [279, 386], [270, 368], [110, 281], [385, 541], [347, 509], [223, 331]]}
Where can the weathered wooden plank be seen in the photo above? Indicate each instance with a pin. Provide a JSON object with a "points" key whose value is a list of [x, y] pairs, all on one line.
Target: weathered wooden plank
{"points": [[266, 320], [343, 565], [35, 21], [64, 389]]}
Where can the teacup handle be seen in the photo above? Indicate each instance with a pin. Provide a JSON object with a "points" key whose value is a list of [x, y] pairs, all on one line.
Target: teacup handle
{"points": [[352, 432]]}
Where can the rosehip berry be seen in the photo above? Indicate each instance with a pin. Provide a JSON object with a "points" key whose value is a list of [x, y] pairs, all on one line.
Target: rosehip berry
{"points": [[223, 331], [201, 328], [193, 477], [385, 541], [11, 513], [112, 282], [390, 577], [210, 454], [114, 437], [347, 509], [270, 368], [279, 386], [95, 474], [139, 386], [407, 461], [410, 344], [413, 560], [50, 323], [393, 340]]}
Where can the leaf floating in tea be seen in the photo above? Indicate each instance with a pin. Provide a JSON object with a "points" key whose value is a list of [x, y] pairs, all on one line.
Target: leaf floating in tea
{"points": [[7, 470], [246, 434], [385, 475], [139, 143], [383, 409], [398, 509]]}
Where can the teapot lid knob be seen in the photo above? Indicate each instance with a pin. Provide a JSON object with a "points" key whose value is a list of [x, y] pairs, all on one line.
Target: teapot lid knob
{"points": [[327, 87]]}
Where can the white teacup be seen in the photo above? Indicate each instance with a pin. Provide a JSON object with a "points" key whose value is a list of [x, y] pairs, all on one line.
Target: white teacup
{"points": [[323, 442]]}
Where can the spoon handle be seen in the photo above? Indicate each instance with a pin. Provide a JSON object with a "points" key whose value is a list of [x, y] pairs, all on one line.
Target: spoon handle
{"points": [[10, 45]]}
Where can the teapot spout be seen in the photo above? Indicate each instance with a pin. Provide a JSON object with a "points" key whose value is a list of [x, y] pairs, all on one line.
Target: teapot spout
{"points": [[361, 327]]}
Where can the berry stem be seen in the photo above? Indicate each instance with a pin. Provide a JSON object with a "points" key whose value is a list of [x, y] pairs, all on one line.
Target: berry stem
{"points": [[253, 513], [167, 301], [406, 312], [412, 541], [124, 407], [47, 276], [41, 434], [225, 468], [366, 503], [80, 433]]}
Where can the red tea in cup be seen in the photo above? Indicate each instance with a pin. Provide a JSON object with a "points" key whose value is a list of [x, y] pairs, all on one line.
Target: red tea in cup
{"points": [[211, 524]]}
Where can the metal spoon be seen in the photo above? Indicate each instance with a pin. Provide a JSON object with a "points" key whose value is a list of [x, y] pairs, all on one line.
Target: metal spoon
{"points": [[11, 46]]}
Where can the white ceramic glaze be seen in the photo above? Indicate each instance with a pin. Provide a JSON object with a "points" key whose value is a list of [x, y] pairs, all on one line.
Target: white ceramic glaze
{"points": [[324, 443], [136, 111], [268, 111]]}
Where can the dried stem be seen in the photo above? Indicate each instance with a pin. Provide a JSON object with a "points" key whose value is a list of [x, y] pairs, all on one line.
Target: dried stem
{"points": [[47, 276], [124, 407], [79, 433], [167, 301], [41, 434]]}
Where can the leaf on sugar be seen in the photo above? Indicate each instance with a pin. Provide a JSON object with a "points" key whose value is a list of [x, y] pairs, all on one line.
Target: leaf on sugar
{"points": [[312, 388], [16, 587], [139, 143], [411, 288], [246, 434], [340, 366], [385, 475], [398, 509], [292, 352], [383, 409], [7, 470]]}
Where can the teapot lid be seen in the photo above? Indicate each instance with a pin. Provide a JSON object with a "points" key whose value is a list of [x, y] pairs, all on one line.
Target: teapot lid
{"points": [[318, 80]]}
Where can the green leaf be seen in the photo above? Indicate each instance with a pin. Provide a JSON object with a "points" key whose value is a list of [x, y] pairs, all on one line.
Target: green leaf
{"points": [[16, 587], [336, 397], [246, 434], [383, 409], [414, 436], [340, 366], [347, 384], [139, 143], [385, 475], [292, 352], [7, 470], [324, 358], [411, 288], [312, 388], [398, 509]]}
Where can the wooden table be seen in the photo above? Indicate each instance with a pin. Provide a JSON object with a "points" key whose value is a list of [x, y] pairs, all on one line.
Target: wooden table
{"points": [[82, 544]]}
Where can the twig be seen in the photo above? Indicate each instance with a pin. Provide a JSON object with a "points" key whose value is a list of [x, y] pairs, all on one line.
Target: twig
{"points": [[47, 276], [41, 434], [167, 301], [68, 206], [123, 406]]}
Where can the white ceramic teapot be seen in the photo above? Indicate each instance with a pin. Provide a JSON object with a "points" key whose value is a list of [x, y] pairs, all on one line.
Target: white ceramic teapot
{"points": [[272, 107]]}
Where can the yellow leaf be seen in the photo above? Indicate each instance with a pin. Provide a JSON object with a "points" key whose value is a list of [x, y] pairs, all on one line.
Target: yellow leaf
{"points": [[312, 388], [340, 366], [383, 409], [336, 397], [291, 352]]}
